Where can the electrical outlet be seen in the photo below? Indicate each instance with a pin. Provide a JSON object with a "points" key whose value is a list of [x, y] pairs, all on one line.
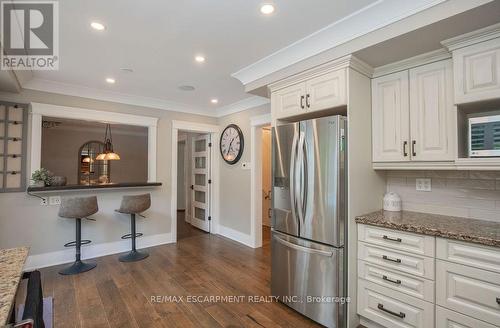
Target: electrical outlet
{"points": [[55, 200], [423, 185], [44, 201]]}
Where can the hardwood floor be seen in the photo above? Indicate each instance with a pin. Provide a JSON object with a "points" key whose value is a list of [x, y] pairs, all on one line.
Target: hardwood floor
{"points": [[119, 294], [184, 229]]}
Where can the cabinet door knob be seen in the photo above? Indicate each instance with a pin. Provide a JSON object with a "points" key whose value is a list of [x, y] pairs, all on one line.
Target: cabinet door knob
{"points": [[498, 300], [413, 151], [302, 102]]}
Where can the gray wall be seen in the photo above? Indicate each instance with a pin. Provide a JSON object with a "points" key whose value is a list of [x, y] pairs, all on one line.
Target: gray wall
{"points": [[24, 222], [235, 182]]}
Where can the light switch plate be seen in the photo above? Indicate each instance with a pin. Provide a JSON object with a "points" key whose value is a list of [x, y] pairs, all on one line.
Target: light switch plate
{"points": [[423, 185], [55, 200]]}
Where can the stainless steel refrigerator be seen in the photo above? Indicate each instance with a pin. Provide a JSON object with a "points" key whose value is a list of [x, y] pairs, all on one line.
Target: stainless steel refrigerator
{"points": [[309, 215]]}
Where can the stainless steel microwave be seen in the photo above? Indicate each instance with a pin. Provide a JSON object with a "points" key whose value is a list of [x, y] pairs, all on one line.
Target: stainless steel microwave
{"points": [[484, 136]]}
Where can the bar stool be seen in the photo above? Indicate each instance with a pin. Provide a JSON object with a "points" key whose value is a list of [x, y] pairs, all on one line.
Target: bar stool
{"points": [[78, 208], [134, 205]]}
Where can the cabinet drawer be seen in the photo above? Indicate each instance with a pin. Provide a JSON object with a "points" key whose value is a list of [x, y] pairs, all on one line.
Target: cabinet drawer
{"points": [[468, 290], [451, 319], [392, 309], [397, 240], [408, 284], [421, 266], [478, 256]]}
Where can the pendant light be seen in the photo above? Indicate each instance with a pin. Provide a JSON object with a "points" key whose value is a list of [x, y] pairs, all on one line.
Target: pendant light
{"points": [[108, 153]]}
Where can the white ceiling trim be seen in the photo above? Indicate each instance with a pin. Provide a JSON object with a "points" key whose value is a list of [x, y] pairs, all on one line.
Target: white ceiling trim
{"points": [[368, 19], [117, 97], [242, 105]]}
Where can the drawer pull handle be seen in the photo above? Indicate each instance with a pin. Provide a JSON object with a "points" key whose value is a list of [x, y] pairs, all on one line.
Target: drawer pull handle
{"points": [[385, 257], [392, 239], [498, 300], [399, 315], [397, 282]]}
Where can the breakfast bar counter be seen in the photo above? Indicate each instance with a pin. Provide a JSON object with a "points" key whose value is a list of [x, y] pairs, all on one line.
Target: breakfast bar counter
{"points": [[11, 269]]}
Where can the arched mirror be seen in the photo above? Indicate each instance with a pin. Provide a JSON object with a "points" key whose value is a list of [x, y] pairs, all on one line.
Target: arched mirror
{"points": [[90, 170]]}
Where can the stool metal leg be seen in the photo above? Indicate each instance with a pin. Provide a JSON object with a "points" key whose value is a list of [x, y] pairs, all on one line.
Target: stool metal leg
{"points": [[78, 266], [134, 254]]}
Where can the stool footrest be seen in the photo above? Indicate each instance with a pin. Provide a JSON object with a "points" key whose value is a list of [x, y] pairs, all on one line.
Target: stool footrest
{"points": [[73, 243], [129, 235]]}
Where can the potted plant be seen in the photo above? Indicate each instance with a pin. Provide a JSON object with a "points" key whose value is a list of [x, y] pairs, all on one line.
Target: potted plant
{"points": [[41, 178]]}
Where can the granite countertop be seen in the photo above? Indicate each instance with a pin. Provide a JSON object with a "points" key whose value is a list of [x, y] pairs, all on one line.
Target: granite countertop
{"points": [[11, 269], [465, 229]]}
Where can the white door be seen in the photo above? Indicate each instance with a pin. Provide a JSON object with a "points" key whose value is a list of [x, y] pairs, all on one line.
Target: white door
{"points": [[200, 188], [289, 101], [391, 118], [326, 91], [432, 112]]}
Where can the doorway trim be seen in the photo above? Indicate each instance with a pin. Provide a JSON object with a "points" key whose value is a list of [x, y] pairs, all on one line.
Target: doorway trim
{"points": [[256, 122], [215, 134]]}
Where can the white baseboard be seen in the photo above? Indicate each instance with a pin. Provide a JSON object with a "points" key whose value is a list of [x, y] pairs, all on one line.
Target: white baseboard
{"points": [[235, 235], [92, 251]]}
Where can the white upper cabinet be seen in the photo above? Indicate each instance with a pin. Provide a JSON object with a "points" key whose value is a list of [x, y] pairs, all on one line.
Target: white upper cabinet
{"points": [[318, 93], [477, 72], [289, 101], [390, 118], [432, 115], [326, 91], [413, 115]]}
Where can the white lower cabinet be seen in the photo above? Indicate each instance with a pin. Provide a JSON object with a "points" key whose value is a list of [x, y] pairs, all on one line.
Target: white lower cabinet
{"points": [[410, 280], [450, 319], [468, 290], [393, 309]]}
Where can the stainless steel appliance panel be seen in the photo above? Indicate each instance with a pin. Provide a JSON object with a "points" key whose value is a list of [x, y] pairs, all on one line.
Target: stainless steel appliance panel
{"points": [[321, 180], [285, 138], [308, 277]]}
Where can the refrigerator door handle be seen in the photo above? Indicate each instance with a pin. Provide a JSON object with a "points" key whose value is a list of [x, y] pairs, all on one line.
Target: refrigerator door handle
{"points": [[299, 187], [302, 248], [293, 199], [305, 179]]}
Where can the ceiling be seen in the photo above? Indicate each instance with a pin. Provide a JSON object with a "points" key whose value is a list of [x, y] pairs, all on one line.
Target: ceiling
{"points": [[159, 40]]}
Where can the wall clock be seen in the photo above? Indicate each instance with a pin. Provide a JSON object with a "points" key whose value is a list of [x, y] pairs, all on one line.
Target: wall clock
{"points": [[231, 144]]}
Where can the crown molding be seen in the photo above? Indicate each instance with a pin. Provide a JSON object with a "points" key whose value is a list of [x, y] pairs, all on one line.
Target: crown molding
{"points": [[368, 19], [343, 62], [468, 39], [117, 97], [242, 105], [427, 58]]}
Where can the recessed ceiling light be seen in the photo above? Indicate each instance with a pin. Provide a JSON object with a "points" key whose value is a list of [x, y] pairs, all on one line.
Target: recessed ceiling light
{"points": [[267, 9], [186, 87], [110, 80], [199, 59], [214, 100], [97, 26]]}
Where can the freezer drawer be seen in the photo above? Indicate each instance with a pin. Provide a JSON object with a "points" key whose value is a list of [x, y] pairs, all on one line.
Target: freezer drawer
{"points": [[308, 277]]}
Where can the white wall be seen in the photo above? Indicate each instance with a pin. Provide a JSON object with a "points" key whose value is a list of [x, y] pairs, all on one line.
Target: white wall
{"points": [[48, 233], [235, 181], [472, 194]]}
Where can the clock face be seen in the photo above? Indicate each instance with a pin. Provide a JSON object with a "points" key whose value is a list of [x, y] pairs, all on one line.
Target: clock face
{"points": [[231, 144]]}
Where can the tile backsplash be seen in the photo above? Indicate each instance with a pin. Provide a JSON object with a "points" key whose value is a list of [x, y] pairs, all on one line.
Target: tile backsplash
{"points": [[473, 194]]}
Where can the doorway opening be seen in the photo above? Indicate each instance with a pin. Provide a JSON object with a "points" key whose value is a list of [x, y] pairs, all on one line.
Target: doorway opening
{"points": [[266, 185], [194, 177]]}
